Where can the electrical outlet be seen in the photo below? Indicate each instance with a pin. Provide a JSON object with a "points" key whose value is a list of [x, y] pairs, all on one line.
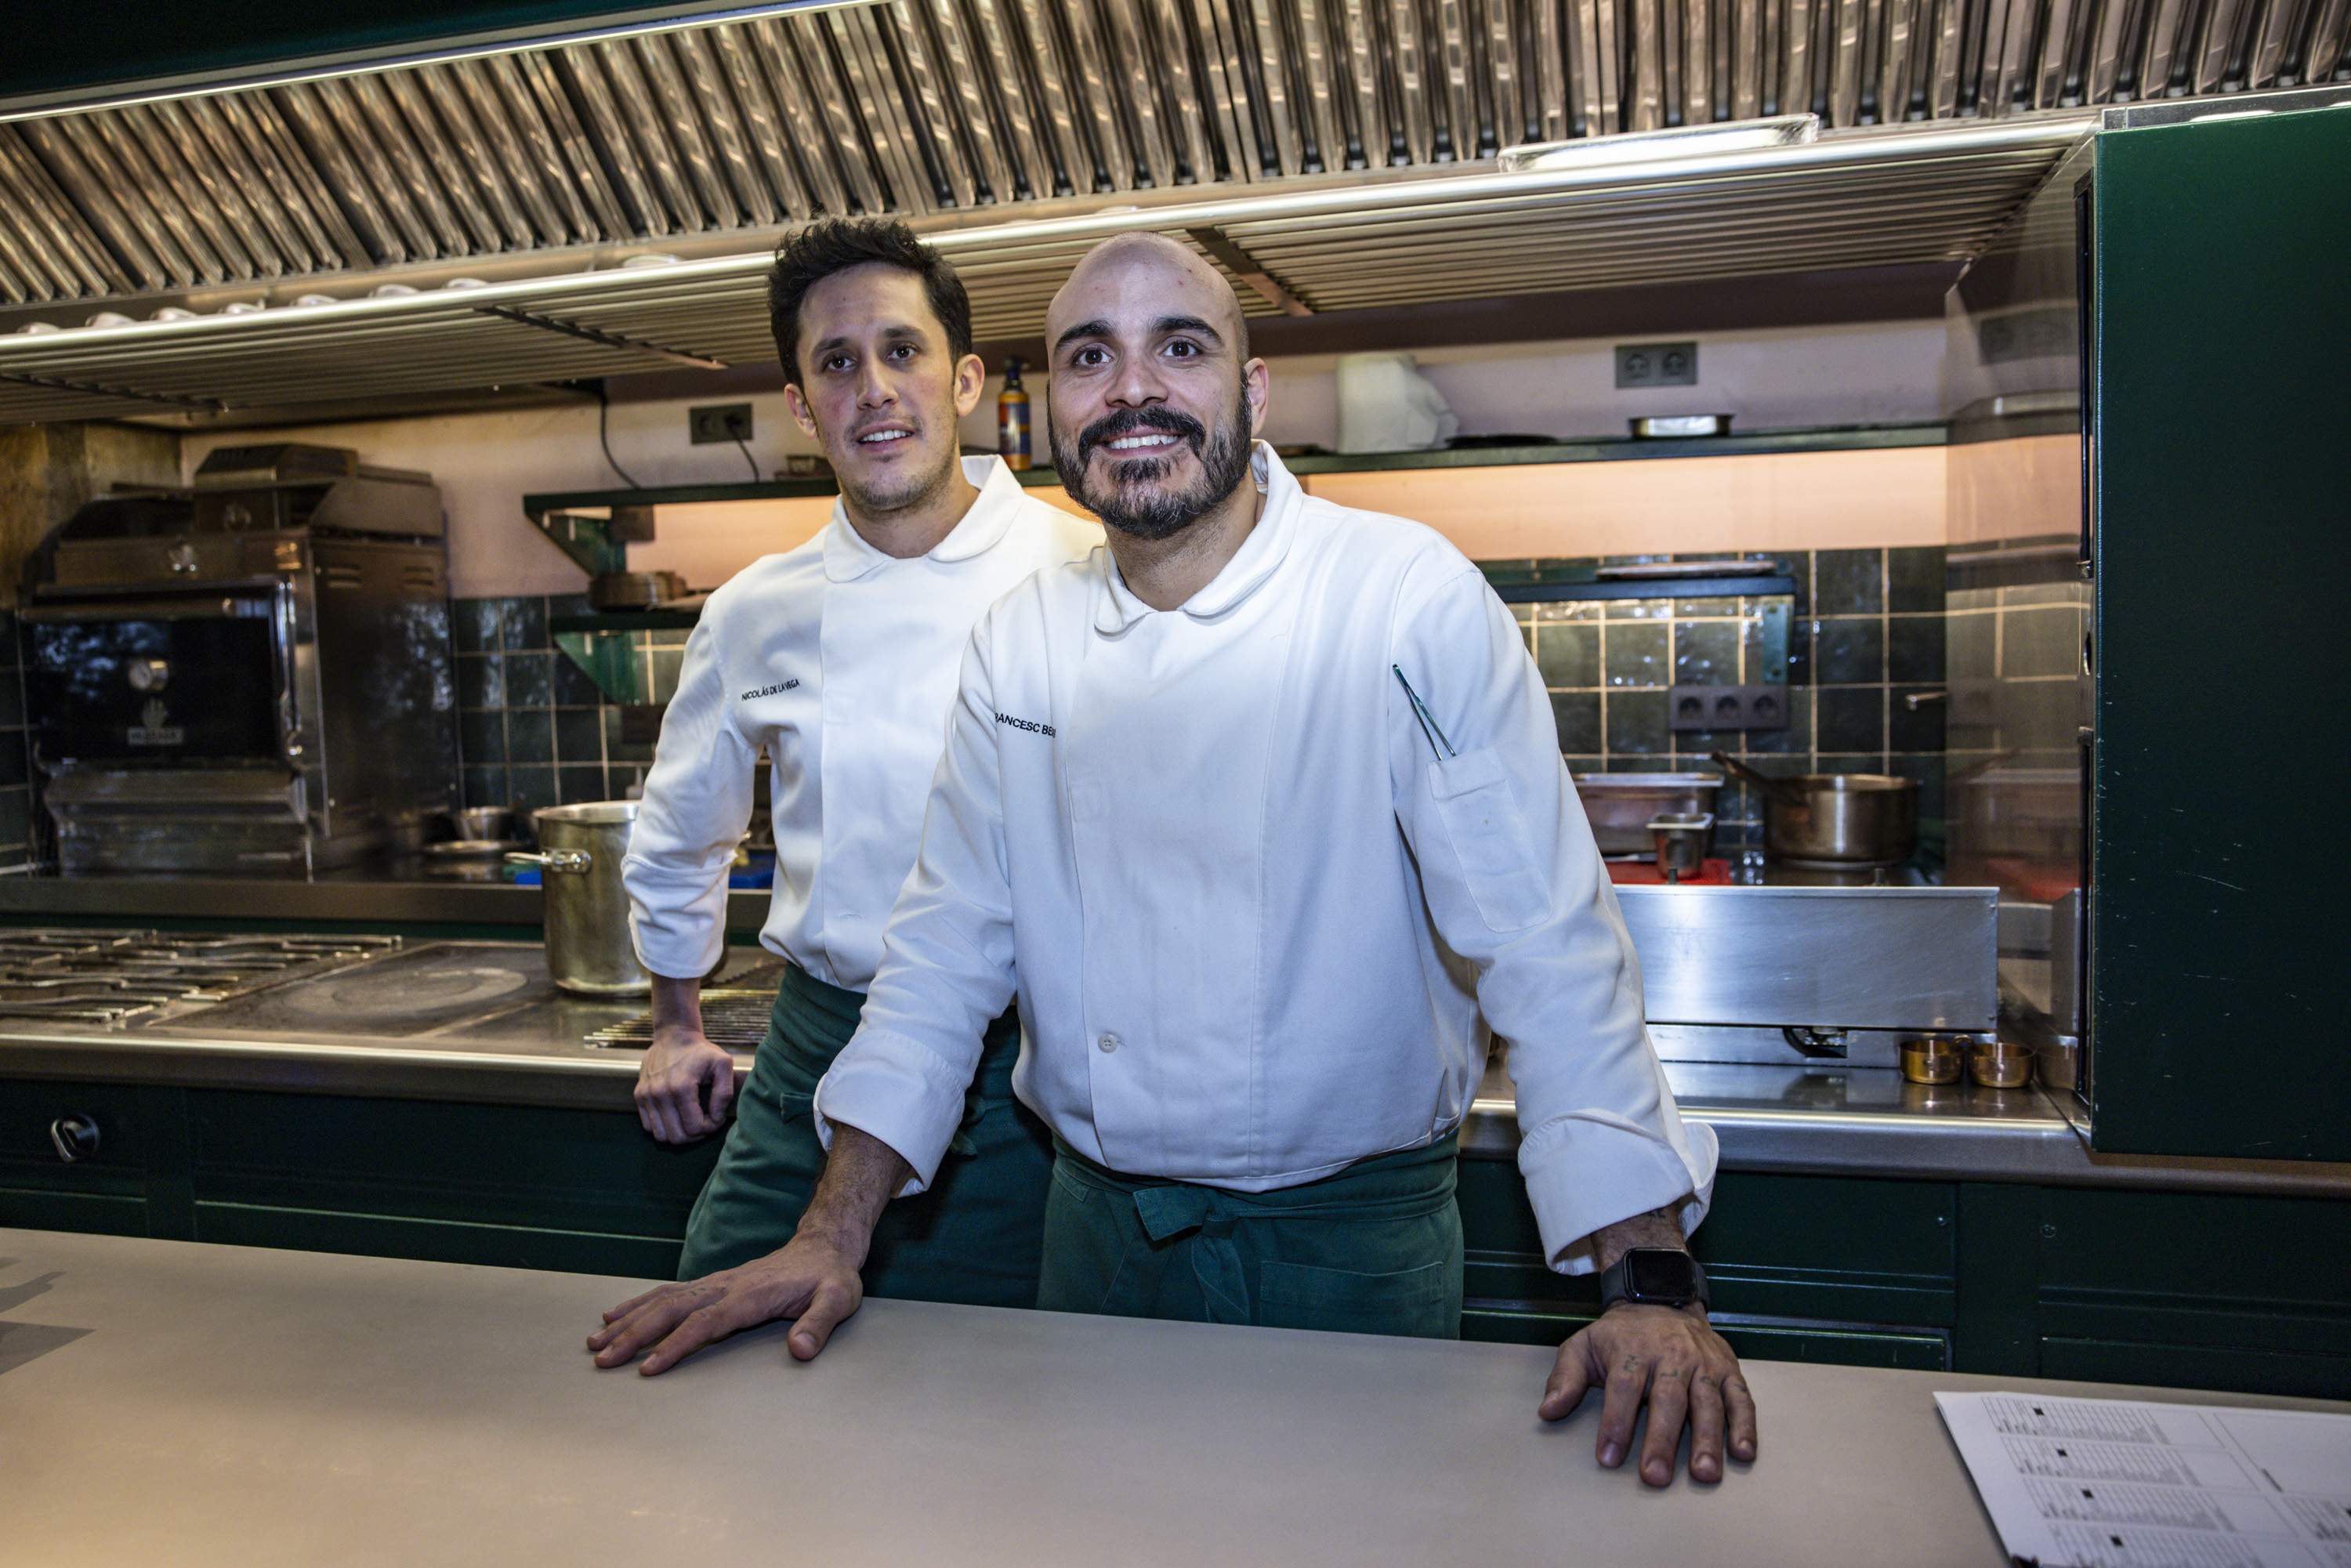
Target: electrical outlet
{"points": [[715, 421], [1657, 364], [1728, 707]]}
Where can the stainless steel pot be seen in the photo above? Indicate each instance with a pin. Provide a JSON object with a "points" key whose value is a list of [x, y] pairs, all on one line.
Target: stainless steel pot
{"points": [[1834, 819], [589, 948]]}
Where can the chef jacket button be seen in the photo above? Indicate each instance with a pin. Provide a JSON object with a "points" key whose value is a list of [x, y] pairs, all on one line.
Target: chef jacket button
{"points": [[1108, 1042]]}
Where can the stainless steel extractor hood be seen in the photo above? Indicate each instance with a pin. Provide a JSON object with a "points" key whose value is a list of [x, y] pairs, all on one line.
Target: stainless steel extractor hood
{"points": [[1009, 128]]}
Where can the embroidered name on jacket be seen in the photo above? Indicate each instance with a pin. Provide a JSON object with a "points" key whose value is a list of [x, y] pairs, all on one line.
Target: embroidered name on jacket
{"points": [[1031, 724], [790, 685]]}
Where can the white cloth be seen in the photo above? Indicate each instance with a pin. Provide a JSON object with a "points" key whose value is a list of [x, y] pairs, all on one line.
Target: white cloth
{"points": [[1252, 920], [839, 661]]}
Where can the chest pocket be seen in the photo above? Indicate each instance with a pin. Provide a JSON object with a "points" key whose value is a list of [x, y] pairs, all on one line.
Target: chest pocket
{"points": [[1491, 840]]}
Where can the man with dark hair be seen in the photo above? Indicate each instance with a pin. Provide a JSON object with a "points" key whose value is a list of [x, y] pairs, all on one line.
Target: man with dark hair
{"points": [[837, 660], [1261, 814]]}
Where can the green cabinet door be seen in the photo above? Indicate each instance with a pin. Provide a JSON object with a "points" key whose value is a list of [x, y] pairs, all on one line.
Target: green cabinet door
{"points": [[514, 1186], [2220, 299]]}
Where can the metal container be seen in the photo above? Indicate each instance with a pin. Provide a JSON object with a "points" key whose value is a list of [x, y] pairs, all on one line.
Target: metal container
{"points": [[1836, 819], [2000, 1063], [1620, 806], [1682, 843], [589, 948], [1935, 1058]]}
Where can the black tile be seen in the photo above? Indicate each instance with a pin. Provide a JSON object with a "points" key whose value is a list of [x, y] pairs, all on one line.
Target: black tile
{"points": [[1972, 645], [574, 687], [473, 624], [1568, 652], [1764, 639], [13, 764], [577, 784], [484, 786], [1638, 655], [1800, 652], [1705, 609], [1706, 654], [16, 817], [1697, 746], [481, 680], [667, 664], [1853, 762], [481, 736], [1636, 724], [2040, 641], [531, 680], [2040, 716], [1796, 738], [11, 700], [1637, 762], [1914, 729], [1913, 577], [619, 777], [1637, 608], [618, 746], [1847, 652], [530, 735], [1850, 718], [1848, 582], [579, 735], [525, 623], [1930, 773], [559, 605], [533, 788], [1578, 716], [1915, 648]]}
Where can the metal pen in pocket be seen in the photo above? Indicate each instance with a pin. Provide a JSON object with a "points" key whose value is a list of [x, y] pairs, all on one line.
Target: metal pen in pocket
{"points": [[1439, 746]]}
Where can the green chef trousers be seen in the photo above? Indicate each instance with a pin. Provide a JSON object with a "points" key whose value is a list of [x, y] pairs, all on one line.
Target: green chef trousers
{"points": [[973, 1237], [1374, 1249]]}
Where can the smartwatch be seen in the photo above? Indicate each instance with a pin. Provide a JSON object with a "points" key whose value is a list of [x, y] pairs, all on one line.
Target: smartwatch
{"points": [[1653, 1276]]}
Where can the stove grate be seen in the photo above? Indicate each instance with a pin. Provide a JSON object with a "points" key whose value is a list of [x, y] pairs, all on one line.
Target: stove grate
{"points": [[118, 977]]}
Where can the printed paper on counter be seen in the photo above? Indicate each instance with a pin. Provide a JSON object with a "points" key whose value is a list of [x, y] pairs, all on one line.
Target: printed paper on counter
{"points": [[2116, 1483]]}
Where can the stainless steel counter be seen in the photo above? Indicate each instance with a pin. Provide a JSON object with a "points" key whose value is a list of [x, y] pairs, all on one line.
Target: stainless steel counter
{"points": [[507, 1036], [173, 1402]]}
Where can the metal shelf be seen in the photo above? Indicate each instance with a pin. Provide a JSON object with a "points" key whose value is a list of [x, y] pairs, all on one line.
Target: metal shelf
{"points": [[1847, 438]]}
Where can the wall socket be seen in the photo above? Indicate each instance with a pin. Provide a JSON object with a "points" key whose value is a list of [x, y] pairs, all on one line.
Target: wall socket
{"points": [[1727, 707], [1657, 364], [713, 421]]}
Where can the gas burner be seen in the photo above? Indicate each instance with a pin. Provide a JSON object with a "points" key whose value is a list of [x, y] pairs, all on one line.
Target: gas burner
{"points": [[117, 977]]}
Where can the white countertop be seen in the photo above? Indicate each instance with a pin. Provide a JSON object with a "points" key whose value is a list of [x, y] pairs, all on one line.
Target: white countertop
{"points": [[163, 1402]]}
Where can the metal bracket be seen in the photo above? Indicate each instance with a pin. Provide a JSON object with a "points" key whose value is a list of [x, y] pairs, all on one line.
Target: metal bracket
{"points": [[597, 335], [1250, 271], [598, 545], [53, 383]]}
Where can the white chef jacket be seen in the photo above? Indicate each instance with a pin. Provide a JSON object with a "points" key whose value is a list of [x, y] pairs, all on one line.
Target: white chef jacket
{"points": [[840, 662], [1253, 911]]}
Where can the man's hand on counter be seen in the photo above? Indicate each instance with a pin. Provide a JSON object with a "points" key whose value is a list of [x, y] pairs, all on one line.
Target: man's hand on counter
{"points": [[685, 1084], [812, 1279], [1671, 1358]]}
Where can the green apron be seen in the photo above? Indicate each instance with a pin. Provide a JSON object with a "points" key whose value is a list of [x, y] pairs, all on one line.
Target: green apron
{"points": [[973, 1237], [1375, 1249]]}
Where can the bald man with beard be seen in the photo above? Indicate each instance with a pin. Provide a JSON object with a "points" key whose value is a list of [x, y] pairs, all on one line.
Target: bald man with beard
{"points": [[1260, 815]]}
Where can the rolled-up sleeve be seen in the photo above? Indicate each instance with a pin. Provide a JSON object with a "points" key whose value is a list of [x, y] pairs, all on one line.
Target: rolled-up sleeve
{"points": [[1517, 887], [697, 801], [946, 966]]}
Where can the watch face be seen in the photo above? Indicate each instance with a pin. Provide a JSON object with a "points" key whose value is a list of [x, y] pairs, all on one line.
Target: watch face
{"points": [[1661, 1273]]}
